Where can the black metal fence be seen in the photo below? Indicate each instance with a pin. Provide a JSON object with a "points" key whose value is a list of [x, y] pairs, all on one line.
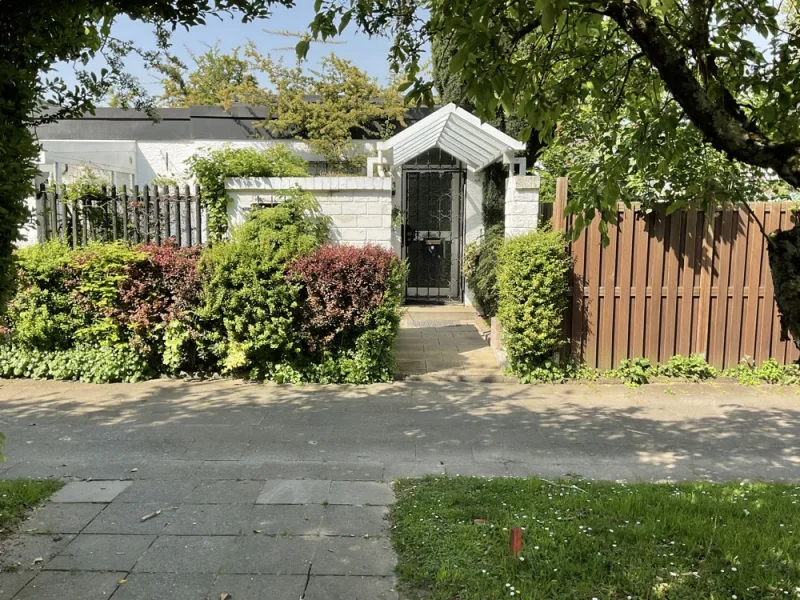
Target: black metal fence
{"points": [[147, 215]]}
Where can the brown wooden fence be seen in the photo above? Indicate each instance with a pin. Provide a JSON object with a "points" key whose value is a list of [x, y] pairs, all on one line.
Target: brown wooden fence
{"points": [[147, 215], [684, 283]]}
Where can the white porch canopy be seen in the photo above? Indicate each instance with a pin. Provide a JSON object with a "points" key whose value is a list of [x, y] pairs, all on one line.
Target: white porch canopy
{"points": [[455, 131]]}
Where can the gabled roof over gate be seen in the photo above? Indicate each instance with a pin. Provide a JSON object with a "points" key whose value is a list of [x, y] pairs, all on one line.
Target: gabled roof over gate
{"points": [[457, 132]]}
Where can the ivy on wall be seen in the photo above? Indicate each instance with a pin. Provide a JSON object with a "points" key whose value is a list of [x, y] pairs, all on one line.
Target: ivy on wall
{"points": [[210, 169]]}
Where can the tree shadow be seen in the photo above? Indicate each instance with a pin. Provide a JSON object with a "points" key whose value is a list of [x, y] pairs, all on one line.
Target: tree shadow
{"points": [[601, 431]]}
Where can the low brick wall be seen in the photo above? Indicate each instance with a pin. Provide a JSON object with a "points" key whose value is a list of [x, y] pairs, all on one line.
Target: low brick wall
{"points": [[360, 207]]}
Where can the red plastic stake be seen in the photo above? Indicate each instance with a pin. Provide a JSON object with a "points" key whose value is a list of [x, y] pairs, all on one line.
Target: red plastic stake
{"points": [[516, 540]]}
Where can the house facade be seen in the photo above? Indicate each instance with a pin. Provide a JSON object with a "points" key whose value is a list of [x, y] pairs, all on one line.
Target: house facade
{"points": [[421, 194]]}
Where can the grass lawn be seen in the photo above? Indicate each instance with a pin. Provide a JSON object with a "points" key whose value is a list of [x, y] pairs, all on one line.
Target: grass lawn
{"points": [[602, 541], [17, 495]]}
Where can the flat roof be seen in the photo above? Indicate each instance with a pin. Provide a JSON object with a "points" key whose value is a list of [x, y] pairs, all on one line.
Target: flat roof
{"points": [[191, 123]]}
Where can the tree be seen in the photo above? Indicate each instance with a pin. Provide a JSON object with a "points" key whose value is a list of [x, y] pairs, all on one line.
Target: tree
{"points": [[36, 34], [329, 107], [218, 79], [664, 91]]}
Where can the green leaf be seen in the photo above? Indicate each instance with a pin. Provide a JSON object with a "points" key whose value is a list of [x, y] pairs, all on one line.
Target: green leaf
{"points": [[302, 48], [345, 20]]}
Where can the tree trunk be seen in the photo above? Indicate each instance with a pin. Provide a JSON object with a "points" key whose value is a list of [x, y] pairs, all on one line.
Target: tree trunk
{"points": [[784, 263]]}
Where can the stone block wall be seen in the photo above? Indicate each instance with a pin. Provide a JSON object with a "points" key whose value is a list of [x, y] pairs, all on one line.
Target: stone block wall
{"points": [[360, 208], [522, 204]]}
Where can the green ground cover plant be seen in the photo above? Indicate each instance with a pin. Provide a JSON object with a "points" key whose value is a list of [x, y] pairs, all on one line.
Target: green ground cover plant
{"points": [[18, 495], [595, 540]]}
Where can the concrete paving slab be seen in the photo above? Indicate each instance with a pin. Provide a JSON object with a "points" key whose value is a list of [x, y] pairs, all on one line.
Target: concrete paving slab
{"points": [[322, 587], [264, 555], [61, 517], [288, 519], [126, 518], [360, 493], [352, 471], [354, 556], [258, 587], [11, 583], [157, 491], [225, 492], [152, 586], [63, 585], [287, 491], [170, 470], [90, 491], [90, 552], [354, 520], [186, 554], [20, 551], [231, 470], [290, 470], [208, 519]]}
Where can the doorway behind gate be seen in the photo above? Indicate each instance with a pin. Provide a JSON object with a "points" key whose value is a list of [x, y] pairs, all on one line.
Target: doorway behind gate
{"points": [[433, 202]]}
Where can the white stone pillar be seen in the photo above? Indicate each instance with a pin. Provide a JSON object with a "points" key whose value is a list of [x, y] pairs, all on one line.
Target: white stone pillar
{"points": [[522, 204]]}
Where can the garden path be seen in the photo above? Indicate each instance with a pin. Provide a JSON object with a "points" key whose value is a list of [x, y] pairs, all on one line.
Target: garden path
{"points": [[443, 343]]}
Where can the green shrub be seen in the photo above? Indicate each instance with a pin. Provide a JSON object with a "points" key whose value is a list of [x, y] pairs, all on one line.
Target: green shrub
{"points": [[212, 168], [532, 279], [42, 314], [92, 364], [770, 371], [100, 270], [250, 306], [480, 269], [633, 371], [694, 368]]}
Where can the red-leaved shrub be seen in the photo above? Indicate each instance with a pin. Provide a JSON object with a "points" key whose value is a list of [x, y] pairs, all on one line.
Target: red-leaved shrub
{"points": [[341, 285], [160, 288]]}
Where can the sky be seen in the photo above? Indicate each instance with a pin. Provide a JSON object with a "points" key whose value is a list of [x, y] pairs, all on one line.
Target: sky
{"points": [[369, 54]]}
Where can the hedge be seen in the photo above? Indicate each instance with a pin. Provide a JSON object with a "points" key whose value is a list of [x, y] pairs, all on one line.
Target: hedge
{"points": [[532, 279], [272, 302]]}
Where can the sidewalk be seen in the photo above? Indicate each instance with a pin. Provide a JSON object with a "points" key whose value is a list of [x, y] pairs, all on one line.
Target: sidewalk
{"points": [[278, 491]]}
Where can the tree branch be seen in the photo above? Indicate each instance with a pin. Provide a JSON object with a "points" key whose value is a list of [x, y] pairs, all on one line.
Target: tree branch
{"points": [[722, 129]]}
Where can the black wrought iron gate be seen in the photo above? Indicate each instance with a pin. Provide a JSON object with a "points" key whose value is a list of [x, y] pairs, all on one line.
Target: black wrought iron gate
{"points": [[433, 204]]}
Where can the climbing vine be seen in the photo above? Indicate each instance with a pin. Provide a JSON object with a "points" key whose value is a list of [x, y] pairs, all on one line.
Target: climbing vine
{"points": [[211, 168]]}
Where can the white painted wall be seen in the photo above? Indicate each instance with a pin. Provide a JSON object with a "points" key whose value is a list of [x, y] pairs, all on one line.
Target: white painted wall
{"points": [[522, 204], [360, 208], [149, 159]]}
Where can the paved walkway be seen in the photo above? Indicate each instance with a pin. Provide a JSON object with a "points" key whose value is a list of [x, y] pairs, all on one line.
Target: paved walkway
{"points": [[443, 343], [280, 492]]}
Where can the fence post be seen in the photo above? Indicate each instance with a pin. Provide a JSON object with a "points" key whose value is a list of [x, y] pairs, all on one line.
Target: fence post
{"points": [[157, 215], [41, 226], [114, 232], [75, 223], [188, 202], [198, 216], [146, 214], [125, 212], [62, 232], [167, 213], [560, 205], [136, 221]]}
